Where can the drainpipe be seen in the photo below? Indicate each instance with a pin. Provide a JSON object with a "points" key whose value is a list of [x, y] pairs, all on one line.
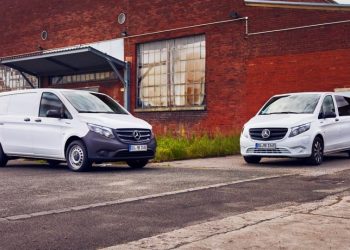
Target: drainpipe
{"points": [[127, 86]]}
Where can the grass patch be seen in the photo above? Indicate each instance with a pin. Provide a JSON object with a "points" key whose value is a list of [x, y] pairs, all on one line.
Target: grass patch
{"points": [[179, 148]]}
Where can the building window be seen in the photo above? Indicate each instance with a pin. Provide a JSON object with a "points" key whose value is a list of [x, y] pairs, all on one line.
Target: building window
{"points": [[80, 78], [171, 73], [11, 79]]}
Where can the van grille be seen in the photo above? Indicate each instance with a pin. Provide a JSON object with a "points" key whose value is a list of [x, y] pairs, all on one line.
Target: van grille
{"points": [[126, 154], [268, 151], [128, 135], [275, 133]]}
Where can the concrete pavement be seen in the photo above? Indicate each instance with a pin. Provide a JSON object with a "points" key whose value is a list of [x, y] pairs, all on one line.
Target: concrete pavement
{"points": [[323, 224], [195, 204]]}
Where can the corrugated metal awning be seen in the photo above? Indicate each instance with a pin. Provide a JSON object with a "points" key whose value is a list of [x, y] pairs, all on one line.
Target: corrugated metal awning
{"points": [[63, 62], [298, 5]]}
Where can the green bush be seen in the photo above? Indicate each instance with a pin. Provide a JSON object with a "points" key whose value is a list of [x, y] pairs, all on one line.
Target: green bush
{"points": [[179, 148]]}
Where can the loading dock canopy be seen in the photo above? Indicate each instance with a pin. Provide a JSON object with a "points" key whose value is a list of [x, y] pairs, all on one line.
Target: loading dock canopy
{"points": [[63, 62], [72, 61]]}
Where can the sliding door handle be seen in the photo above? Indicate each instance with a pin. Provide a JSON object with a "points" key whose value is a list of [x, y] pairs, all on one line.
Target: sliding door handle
{"points": [[38, 120], [27, 119]]}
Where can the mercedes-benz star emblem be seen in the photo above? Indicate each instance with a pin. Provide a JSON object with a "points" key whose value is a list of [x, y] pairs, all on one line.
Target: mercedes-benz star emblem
{"points": [[265, 133], [137, 135]]}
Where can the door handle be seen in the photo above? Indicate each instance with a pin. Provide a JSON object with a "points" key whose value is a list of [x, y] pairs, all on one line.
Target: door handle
{"points": [[26, 119], [336, 119], [38, 120]]}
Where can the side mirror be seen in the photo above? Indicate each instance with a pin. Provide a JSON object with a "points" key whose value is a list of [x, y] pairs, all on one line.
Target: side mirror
{"points": [[54, 113], [329, 114]]}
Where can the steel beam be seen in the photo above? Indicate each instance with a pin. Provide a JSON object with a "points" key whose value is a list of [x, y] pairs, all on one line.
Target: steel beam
{"points": [[27, 80]]}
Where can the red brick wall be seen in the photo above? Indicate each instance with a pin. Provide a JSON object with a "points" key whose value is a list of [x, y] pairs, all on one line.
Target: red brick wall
{"points": [[241, 72], [315, 71], [68, 22]]}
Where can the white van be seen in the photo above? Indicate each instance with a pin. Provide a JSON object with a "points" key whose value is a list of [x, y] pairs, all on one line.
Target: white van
{"points": [[76, 126], [300, 125]]}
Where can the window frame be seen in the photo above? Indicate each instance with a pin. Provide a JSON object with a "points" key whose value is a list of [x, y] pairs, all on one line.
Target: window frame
{"points": [[170, 64], [321, 113], [62, 80], [69, 117], [339, 113], [11, 79]]}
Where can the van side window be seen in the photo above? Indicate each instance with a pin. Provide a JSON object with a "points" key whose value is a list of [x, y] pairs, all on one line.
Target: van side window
{"points": [[50, 101], [343, 105], [327, 105]]}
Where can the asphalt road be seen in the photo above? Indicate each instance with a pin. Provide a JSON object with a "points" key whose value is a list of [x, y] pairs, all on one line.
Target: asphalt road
{"points": [[52, 208]]}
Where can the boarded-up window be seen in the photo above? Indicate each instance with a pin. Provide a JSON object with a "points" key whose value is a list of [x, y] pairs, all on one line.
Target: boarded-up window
{"points": [[171, 73], [11, 79]]}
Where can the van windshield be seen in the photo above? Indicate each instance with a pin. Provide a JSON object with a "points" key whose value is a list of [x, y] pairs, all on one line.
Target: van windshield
{"points": [[87, 102], [291, 104]]}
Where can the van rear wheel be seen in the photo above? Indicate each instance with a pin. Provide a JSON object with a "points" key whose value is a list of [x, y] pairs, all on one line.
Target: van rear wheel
{"points": [[77, 157], [3, 158], [137, 163], [252, 159]]}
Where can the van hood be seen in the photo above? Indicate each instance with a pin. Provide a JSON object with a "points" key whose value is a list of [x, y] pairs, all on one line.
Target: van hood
{"points": [[115, 121], [279, 120]]}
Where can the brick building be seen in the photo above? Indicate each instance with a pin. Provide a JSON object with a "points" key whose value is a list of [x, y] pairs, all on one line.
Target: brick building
{"points": [[195, 65]]}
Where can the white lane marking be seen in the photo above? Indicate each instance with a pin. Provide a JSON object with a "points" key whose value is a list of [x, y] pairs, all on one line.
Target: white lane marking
{"points": [[128, 200]]}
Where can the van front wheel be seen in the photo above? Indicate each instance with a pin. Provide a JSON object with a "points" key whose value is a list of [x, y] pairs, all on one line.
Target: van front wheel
{"points": [[53, 163], [3, 158], [252, 159], [316, 157], [137, 163], [77, 157]]}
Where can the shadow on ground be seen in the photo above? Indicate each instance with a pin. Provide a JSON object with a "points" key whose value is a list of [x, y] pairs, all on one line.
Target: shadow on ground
{"points": [[64, 167], [286, 162]]}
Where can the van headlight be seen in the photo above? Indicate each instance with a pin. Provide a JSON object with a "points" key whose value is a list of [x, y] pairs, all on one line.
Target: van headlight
{"points": [[104, 131], [299, 129], [152, 134], [245, 132]]}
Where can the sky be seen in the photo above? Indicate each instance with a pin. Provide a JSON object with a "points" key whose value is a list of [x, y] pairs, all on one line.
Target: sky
{"points": [[343, 1]]}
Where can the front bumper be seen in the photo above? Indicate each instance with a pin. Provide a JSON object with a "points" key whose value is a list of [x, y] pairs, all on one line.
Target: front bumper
{"points": [[103, 149], [294, 147]]}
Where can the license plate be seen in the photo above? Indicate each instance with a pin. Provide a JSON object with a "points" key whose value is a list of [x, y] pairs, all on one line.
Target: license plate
{"points": [[265, 145], [137, 148]]}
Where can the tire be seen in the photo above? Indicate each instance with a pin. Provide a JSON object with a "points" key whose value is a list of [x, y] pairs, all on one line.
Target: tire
{"points": [[316, 157], [53, 163], [137, 163], [252, 159], [3, 158], [77, 157]]}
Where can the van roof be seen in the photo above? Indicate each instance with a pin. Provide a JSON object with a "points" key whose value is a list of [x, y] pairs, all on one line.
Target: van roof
{"points": [[40, 90], [313, 93]]}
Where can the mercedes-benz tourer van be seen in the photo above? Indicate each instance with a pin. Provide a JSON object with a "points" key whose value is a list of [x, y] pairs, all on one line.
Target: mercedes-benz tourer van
{"points": [[75, 126], [299, 125]]}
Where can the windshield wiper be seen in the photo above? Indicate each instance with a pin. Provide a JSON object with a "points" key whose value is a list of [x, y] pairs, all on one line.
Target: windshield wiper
{"points": [[97, 112], [285, 112]]}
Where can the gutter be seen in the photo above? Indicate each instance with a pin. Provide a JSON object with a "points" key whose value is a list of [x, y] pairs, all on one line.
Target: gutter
{"points": [[297, 5]]}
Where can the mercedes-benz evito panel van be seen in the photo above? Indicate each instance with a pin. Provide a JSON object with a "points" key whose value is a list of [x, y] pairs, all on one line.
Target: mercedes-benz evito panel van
{"points": [[298, 125], [76, 126]]}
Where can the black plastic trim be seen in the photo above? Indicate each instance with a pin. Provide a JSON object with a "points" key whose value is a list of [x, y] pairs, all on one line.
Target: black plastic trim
{"points": [[103, 149]]}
